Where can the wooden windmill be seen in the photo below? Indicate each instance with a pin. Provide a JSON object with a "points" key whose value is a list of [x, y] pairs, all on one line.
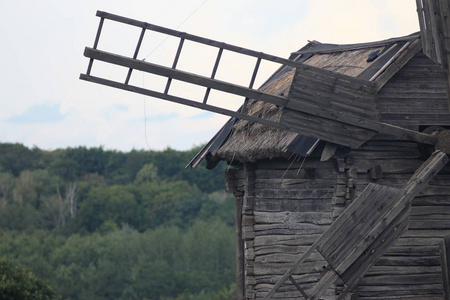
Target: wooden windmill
{"points": [[327, 115]]}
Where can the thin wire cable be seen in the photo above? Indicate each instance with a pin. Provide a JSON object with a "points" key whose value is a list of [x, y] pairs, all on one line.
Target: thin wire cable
{"points": [[284, 174], [181, 24], [232, 159], [301, 165], [145, 115], [143, 75]]}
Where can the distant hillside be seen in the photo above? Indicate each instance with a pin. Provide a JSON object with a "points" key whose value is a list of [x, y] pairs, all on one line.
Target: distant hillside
{"points": [[102, 224]]}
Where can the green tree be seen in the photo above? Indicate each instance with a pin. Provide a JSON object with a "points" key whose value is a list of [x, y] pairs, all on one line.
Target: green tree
{"points": [[6, 186], [17, 283], [107, 203], [16, 158], [148, 173]]}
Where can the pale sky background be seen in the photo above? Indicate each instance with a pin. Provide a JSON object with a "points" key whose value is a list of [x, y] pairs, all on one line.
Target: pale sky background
{"points": [[44, 104]]}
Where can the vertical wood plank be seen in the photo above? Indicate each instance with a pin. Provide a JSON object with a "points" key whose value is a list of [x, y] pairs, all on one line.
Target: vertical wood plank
{"points": [[213, 74], [240, 274], [436, 31], [423, 27], [136, 52], [174, 65], [429, 46], [252, 82], [97, 38], [445, 265]]}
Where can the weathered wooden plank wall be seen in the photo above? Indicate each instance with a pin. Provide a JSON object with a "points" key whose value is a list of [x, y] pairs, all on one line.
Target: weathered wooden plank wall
{"points": [[416, 95], [291, 210], [412, 268]]}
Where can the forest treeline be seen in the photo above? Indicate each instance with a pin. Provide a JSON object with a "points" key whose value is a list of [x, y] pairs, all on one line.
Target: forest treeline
{"points": [[103, 224]]}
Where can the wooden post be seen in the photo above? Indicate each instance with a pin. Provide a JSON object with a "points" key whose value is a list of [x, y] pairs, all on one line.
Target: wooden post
{"points": [[232, 187], [445, 264], [240, 274]]}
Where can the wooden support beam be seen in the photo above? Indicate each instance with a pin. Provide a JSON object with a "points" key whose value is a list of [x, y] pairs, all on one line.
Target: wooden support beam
{"points": [[444, 248], [97, 38], [252, 82], [174, 65], [299, 288], [324, 283], [240, 264], [213, 74], [291, 271], [136, 52], [425, 173]]}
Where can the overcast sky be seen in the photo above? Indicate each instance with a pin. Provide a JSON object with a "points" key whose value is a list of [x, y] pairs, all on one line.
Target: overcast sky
{"points": [[44, 104]]}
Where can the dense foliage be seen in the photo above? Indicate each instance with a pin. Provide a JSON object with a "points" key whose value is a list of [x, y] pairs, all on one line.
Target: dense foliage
{"points": [[17, 283], [100, 224]]}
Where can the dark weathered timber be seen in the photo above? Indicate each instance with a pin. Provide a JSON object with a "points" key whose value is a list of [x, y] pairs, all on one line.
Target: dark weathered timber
{"points": [[317, 92], [97, 38], [434, 20], [278, 205], [265, 241], [240, 263], [403, 57], [434, 25], [366, 125], [252, 82], [298, 287], [445, 265], [418, 119], [329, 277], [436, 30], [409, 261], [213, 74], [136, 52], [348, 234], [319, 218], [294, 193], [174, 65], [375, 250], [423, 26]]}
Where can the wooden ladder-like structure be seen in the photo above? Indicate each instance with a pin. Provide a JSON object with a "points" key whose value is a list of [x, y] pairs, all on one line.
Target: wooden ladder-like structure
{"points": [[172, 73], [342, 85]]}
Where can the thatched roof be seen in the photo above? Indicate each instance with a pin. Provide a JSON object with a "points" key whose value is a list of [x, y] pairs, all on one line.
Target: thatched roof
{"points": [[246, 141]]}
